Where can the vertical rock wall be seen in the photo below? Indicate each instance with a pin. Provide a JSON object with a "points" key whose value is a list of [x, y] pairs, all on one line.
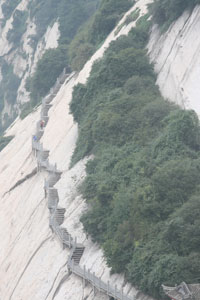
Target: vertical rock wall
{"points": [[176, 57]]}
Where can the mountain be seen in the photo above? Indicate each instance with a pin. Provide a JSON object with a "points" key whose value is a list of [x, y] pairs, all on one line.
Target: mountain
{"points": [[33, 262]]}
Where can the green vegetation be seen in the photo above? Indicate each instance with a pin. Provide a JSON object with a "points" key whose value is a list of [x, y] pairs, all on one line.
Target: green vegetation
{"points": [[8, 85], [142, 187], [70, 15], [8, 7], [44, 13], [8, 91], [78, 12], [73, 53], [4, 140], [48, 69], [96, 30], [166, 11], [130, 18], [19, 27]]}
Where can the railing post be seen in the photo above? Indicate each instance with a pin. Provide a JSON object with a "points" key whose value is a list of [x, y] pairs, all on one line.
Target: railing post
{"points": [[72, 264], [62, 237], [38, 166], [45, 188], [69, 241], [115, 291], [47, 163], [84, 276], [94, 283], [94, 278], [84, 271], [99, 284], [108, 288], [122, 294], [32, 141]]}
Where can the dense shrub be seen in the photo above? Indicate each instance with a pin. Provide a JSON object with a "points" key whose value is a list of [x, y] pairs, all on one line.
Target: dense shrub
{"points": [[4, 140], [8, 7], [48, 69], [44, 13], [70, 15], [166, 11], [142, 186], [9, 84], [94, 32], [18, 27]]}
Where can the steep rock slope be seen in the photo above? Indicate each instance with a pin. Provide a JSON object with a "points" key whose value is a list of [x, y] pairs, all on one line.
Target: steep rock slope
{"points": [[32, 263], [23, 54], [176, 57]]}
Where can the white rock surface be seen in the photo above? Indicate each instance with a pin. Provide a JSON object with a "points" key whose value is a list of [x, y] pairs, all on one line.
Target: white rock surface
{"points": [[51, 37], [176, 55]]}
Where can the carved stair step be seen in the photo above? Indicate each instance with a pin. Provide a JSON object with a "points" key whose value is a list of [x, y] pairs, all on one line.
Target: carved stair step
{"points": [[44, 164], [60, 210], [46, 119], [43, 154], [56, 174], [37, 146], [63, 78], [49, 98], [44, 115], [52, 203], [45, 106], [59, 215], [53, 181], [39, 134], [53, 169], [56, 89], [52, 193], [53, 178], [59, 220], [77, 254], [38, 126], [65, 236]]}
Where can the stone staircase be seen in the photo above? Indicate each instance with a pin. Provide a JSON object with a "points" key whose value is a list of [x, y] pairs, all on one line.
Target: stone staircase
{"points": [[56, 217], [59, 215], [77, 253], [53, 178]]}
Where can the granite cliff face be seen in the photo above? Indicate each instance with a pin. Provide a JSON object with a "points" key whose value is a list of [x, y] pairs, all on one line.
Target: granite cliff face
{"points": [[32, 262], [176, 57]]}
